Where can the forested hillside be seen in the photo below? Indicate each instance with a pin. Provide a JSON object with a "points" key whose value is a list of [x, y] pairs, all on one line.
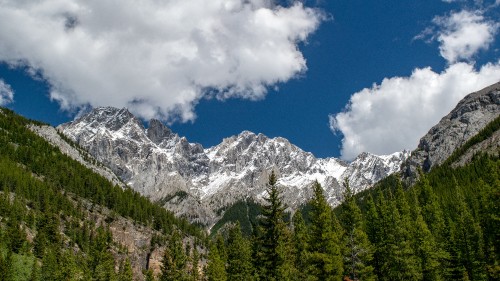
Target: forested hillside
{"points": [[445, 227], [55, 215], [61, 221]]}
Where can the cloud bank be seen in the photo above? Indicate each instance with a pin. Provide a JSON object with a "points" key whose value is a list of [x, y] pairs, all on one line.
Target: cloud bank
{"points": [[395, 114], [6, 93], [157, 58]]}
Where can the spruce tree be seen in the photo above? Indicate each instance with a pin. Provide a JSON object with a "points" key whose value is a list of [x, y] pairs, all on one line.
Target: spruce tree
{"points": [[105, 269], [15, 235], [300, 242], [325, 259], [469, 240], [195, 273], [358, 250], [174, 260], [375, 234], [395, 257], [215, 270], [126, 273], [274, 242], [35, 274], [427, 251], [239, 256], [402, 263], [5, 266], [431, 210]]}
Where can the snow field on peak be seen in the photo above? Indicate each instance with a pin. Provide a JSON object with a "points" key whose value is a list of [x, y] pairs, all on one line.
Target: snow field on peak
{"points": [[218, 176]]}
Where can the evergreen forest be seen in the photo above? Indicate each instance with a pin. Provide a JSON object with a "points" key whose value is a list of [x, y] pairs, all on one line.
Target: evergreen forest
{"points": [[47, 230], [446, 226]]}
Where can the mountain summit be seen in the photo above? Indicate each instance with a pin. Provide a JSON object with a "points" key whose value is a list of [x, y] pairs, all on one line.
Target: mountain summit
{"points": [[200, 183], [470, 116]]}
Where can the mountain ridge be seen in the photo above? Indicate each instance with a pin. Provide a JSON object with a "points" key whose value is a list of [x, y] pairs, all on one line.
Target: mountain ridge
{"points": [[160, 164], [474, 112]]}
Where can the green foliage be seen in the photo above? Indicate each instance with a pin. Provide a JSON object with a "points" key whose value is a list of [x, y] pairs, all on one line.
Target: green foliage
{"points": [[174, 264], [244, 212], [215, 270], [273, 240], [325, 257], [239, 256], [445, 227], [301, 245], [358, 251], [42, 193], [20, 146], [126, 273]]}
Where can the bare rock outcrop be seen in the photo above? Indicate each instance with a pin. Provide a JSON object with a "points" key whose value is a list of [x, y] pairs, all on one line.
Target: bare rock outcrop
{"points": [[469, 117]]}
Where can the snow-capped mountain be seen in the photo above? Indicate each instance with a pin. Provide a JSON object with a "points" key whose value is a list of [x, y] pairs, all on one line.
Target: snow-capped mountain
{"points": [[200, 183]]}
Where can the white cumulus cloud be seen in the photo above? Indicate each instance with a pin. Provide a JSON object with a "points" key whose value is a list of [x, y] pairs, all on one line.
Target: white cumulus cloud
{"points": [[156, 57], [394, 115], [462, 34], [6, 93]]}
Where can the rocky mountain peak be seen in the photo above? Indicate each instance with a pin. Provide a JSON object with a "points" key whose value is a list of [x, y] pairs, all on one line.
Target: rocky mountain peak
{"points": [[157, 132], [470, 115], [198, 182], [112, 118]]}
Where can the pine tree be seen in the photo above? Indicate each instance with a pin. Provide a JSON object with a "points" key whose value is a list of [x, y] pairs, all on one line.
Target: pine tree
{"points": [[489, 220], [274, 260], [220, 244], [215, 270], [402, 263], [431, 211], [427, 251], [469, 240], [15, 235], [35, 271], [358, 250], [325, 259], [105, 269], [375, 234], [195, 273], [174, 260], [126, 273], [300, 241], [395, 257], [239, 255]]}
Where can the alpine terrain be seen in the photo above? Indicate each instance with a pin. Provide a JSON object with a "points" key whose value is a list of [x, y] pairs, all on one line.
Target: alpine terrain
{"points": [[199, 183], [470, 116]]}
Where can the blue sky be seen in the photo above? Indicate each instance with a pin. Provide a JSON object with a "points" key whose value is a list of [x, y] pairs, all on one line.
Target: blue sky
{"points": [[289, 71]]}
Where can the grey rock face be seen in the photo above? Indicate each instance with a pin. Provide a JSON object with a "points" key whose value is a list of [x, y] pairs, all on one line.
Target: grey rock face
{"points": [[198, 183], [50, 134], [471, 115]]}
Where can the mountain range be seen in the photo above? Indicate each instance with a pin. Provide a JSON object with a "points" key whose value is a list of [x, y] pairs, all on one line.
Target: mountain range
{"points": [[201, 183]]}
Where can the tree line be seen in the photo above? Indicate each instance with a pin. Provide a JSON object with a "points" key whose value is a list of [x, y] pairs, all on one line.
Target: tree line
{"points": [[445, 227]]}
